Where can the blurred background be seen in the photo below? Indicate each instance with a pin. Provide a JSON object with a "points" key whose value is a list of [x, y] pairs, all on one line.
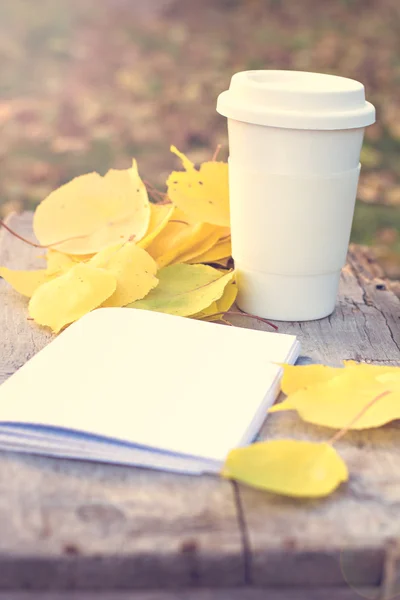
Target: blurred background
{"points": [[88, 84]]}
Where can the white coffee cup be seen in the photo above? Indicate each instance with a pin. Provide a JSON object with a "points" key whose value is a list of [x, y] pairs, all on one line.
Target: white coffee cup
{"points": [[294, 149]]}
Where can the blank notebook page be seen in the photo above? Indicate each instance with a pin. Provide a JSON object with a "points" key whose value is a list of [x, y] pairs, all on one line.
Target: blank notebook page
{"points": [[167, 382]]}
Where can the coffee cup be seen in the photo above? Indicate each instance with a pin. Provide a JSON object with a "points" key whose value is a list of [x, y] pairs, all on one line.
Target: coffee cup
{"points": [[294, 149]]}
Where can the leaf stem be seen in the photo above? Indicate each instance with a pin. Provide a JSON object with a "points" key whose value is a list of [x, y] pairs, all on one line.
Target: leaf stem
{"points": [[45, 247], [243, 314], [217, 151], [161, 197], [18, 236], [339, 434]]}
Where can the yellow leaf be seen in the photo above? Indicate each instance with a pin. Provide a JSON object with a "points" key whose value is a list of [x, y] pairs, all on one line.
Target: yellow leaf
{"points": [[207, 312], [301, 376], [58, 262], [25, 282], [202, 194], [336, 402], [370, 370], [65, 299], [206, 237], [289, 467], [390, 379], [228, 298], [178, 237], [185, 290], [94, 212], [220, 306], [298, 377], [160, 214], [133, 268], [186, 162], [220, 250]]}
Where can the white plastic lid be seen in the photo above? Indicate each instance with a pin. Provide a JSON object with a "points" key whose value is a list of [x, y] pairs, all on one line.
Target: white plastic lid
{"points": [[296, 100]]}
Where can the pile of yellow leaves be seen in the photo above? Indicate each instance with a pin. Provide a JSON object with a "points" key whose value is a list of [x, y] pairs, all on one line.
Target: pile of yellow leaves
{"points": [[357, 396], [108, 245]]}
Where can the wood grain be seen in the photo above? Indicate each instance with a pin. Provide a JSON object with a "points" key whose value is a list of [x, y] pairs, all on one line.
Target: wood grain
{"points": [[69, 525], [365, 325], [74, 525], [242, 593], [344, 536], [19, 339]]}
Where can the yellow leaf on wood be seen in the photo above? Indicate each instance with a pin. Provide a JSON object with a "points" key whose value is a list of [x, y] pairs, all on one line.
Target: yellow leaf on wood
{"points": [[207, 237], [133, 268], [94, 212], [202, 194], [298, 377], [25, 282], [65, 299], [58, 262], [336, 402], [160, 214], [217, 252], [185, 290], [289, 467], [215, 311], [178, 237]]}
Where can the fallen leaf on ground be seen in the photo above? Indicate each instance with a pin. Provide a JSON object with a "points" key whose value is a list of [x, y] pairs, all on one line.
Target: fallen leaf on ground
{"points": [[202, 194], [94, 212], [25, 282], [298, 377], [289, 467], [65, 299], [58, 262], [133, 268], [336, 402], [179, 236], [216, 310], [185, 290], [222, 249], [207, 238], [160, 214]]}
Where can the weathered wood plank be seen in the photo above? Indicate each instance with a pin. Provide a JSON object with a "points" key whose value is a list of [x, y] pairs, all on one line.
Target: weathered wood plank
{"points": [[69, 525], [366, 323], [244, 593], [308, 541], [183, 539], [19, 340]]}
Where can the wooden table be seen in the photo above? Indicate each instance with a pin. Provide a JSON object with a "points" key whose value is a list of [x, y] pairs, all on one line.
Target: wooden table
{"points": [[132, 533]]}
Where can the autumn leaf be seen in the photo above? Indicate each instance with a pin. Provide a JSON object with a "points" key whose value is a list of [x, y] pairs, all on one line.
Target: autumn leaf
{"points": [[160, 214], [206, 240], [180, 237], [93, 212], [25, 282], [133, 269], [185, 290], [58, 262], [216, 310], [298, 377], [202, 194], [222, 249], [335, 402], [65, 299], [295, 468]]}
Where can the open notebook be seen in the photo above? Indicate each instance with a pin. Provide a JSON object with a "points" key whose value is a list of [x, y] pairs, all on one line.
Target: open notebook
{"points": [[144, 388]]}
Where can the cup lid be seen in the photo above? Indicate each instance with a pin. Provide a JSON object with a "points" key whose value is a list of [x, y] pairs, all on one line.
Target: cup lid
{"points": [[296, 100]]}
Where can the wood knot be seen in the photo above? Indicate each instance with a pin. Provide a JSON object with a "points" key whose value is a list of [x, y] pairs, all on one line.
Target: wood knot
{"points": [[71, 549], [188, 547]]}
